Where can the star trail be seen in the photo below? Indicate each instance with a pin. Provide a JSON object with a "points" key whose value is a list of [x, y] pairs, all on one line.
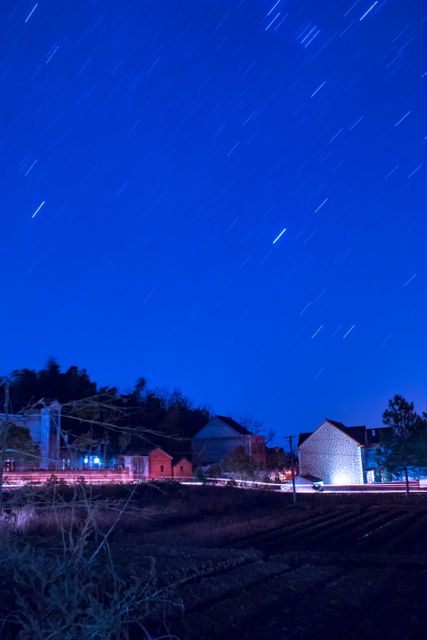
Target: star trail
{"points": [[174, 143]]}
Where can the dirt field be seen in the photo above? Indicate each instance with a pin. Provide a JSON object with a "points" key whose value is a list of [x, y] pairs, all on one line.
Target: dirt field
{"points": [[248, 565], [349, 573]]}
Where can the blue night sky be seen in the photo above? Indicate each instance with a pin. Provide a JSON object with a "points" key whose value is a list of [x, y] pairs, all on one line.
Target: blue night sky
{"points": [[152, 151]]}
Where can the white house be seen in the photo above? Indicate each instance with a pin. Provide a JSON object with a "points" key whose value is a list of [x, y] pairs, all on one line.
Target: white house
{"points": [[338, 454], [223, 435]]}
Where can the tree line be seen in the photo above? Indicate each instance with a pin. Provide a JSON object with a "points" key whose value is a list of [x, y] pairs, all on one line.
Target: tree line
{"points": [[102, 418]]}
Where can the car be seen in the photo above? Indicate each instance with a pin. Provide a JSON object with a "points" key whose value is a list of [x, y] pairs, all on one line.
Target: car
{"points": [[318, 485]]}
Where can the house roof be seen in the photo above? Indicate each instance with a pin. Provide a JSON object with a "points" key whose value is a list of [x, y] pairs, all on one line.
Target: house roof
{"points": [[144, 451], [367, 437], [357, 433], [303, 437], [177, 459], [376, 435], [235, 425]]}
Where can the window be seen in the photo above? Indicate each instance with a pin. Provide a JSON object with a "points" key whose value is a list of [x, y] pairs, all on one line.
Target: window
{"points": [[162, 468], [182, 468]]}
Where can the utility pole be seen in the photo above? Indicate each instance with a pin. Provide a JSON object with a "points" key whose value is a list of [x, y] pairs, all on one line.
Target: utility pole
{"points": [[294, 491]]}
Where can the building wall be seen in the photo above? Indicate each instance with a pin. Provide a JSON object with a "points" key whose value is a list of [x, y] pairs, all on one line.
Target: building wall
{"points": [[44, 428], [139, 466], [331, 455], [183, 469], [216, 440], [160, 464]]}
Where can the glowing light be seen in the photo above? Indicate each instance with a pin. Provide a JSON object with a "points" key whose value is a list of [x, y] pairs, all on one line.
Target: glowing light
{"points": [[342, 478], [321, 205], [38, 209], [349, 331], [369, 10], [279, 236], [96, 460], [31, 12], [85, 459], [318, 89]]}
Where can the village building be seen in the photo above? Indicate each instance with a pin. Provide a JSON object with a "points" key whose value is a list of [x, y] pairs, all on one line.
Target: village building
{"points": [[223, 435], [148, 464], [182, 469], [44, 427], [337, 454]]}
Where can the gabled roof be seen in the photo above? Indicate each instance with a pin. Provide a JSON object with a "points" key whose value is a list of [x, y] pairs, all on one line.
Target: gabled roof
{"points": [[303, 437], [144, 451], [234, 425], [357, 433], [177, 459], [376, 435], [367, 437]]}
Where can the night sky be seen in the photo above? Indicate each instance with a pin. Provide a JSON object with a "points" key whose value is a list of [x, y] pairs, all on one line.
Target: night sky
{"points": [[152, 152]]}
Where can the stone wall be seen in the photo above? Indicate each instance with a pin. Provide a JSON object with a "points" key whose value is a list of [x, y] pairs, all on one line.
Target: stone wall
{"points": [[332, 456]]}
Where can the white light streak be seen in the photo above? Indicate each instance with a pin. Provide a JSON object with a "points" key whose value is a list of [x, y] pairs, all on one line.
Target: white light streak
{"points": [[273, 7], [346, 29], [31, 12], [369, 10], [312, 38], [52, 54], [410, 279], [352, 7], [336, 135], [414, 171], [308, 34], [356, 123], [320, 295], [402, 118], [146, 299], [38, 209], [391, 172], [318, 373], [279, 236], [321, 205], [245, 261], [274, 20], [305, 308], [230, 226], [232, 148], [386, 340], [318, 89], [28, 170], [249, 118], [310, 236], [349, 331], [316, 332]]}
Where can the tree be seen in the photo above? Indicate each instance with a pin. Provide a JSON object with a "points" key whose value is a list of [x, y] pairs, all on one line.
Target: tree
{"points": [[239, 463], [277, 459], [257, 427], [405, 445], [20, 447]]}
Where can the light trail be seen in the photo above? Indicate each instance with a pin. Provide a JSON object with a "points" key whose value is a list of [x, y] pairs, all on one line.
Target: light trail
{"points": [[279, 236]]}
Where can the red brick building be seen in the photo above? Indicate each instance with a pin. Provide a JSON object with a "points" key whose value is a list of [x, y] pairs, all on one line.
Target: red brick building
{"points": [[182, 468], [159, 464]]}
